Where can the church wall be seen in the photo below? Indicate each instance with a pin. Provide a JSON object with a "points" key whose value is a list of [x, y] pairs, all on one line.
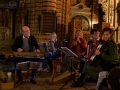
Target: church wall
{"points": [[46, 16]]}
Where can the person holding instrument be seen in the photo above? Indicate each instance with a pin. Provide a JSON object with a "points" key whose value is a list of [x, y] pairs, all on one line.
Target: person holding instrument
{"points": [[78, 46], [108, 55], [91, 44], [53, 51], [26, 43]]}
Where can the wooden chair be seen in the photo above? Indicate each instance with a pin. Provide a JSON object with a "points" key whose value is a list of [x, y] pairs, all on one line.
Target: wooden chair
{"points": [[67, 75]]}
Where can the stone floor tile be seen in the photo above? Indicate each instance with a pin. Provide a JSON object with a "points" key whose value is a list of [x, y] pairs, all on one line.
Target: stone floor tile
{"points": [[44, 78]]}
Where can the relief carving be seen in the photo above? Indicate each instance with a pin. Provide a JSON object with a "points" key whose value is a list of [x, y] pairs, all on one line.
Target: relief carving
{"points": [[118, 13], [104, 8], [5, 39], [81, 12], [4, 33]]}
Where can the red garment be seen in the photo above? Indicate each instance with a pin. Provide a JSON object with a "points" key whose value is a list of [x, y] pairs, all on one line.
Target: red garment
{"points": [[80, 48]]}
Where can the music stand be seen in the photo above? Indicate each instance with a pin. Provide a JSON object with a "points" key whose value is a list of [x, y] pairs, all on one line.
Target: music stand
{"points": [[26, 63], [70, 54]]}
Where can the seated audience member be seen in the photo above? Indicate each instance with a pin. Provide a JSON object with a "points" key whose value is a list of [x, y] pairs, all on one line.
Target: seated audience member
{"points": [[26, 43], [107, 55], [78, 46], [52, 50]]}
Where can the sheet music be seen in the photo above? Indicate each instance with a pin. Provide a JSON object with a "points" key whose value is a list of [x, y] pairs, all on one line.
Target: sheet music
{"points": [[68, 52]]}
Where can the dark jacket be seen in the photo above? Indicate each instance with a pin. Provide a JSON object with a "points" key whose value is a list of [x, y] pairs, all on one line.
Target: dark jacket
{"points": [[110, 57], [19, 43]]}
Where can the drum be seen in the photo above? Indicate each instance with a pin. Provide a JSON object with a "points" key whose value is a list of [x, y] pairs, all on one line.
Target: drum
{"points": [[113, 78]]}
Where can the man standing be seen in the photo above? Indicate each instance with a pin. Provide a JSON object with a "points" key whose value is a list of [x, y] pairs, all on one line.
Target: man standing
{"points": [[26, 43]]}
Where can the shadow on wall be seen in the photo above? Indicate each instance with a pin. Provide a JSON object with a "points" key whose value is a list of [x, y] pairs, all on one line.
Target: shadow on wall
{"points": [[62, 33]]}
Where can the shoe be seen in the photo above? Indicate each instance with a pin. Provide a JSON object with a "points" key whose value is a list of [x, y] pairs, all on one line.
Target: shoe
{"points": [[77, 84], [45, 70], [49, 70], [39, 69], [33, 81]]}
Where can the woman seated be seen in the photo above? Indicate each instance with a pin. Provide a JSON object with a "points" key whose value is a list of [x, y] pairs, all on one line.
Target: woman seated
{"points": [[78, 46], [53, 51]]}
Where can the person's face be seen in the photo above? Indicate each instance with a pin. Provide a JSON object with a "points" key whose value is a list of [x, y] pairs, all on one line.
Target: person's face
{"points": [[52, 38], [26, 31], [78, 34], [95, 35], [106, 35]]}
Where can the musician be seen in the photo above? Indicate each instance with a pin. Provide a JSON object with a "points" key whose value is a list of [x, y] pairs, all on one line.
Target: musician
{"points": [[91, 43], [107, 54], [78, 46], [52, 50], [26, 43]]}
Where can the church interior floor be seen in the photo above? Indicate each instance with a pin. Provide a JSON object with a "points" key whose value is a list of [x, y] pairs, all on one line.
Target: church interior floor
{"points": [[44, 78]]}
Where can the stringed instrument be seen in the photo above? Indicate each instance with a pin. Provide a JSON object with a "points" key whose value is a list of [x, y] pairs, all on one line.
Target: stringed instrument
{"points": [[28, 54]]}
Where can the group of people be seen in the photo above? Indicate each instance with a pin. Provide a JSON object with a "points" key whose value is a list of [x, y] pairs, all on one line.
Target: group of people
{"points": [[106, 56], [27, 43]]}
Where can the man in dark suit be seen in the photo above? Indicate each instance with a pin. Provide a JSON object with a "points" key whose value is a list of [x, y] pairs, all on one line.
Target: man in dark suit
{"points": [[26, 43]]}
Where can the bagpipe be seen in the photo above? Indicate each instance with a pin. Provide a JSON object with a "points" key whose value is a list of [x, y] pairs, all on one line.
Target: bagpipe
{"points": [[91, 57]]}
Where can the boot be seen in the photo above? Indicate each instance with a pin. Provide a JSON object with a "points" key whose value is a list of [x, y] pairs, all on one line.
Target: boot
{"points": [[79, 82]]}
